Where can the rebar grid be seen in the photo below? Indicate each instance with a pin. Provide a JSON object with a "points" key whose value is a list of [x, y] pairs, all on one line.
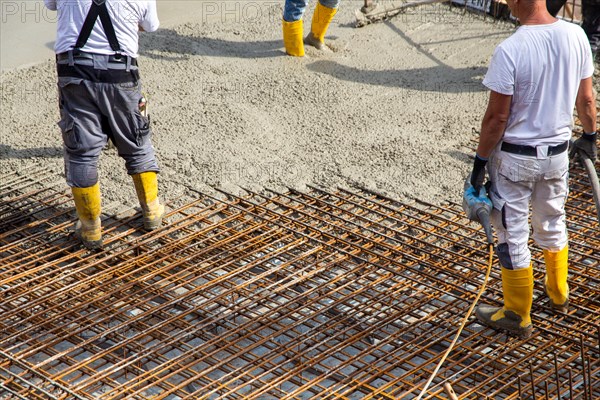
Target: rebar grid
{"points": [[314, 294]]}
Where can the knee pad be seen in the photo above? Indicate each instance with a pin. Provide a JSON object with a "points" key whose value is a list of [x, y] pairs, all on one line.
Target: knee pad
{"points": [[504, 256], [513, 258], [81, 175]]}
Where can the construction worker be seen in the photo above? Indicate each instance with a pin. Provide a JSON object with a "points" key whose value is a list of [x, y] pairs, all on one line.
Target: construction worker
{"points": [[100, 99], [293, 28], [536, 77]]}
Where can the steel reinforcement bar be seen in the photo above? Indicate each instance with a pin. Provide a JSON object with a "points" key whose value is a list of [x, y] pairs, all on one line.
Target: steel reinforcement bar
{"points": [[344, 294]]}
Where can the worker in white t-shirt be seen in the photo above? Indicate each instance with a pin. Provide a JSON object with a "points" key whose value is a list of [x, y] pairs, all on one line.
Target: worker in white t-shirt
{"points": [[536, 77], [100, 98]]}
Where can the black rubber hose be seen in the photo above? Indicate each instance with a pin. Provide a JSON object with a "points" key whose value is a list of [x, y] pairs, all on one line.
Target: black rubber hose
{"points": [[593, 175]]}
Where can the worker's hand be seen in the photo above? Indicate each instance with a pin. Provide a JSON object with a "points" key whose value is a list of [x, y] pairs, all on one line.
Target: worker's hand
{"points": [[478, 174], [474, 194], [587, 145]]}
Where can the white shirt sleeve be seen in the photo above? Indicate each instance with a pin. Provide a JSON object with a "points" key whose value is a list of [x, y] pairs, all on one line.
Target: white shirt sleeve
{"points": [[150, 21], [500, 76], [587, 67], [50, 4]]}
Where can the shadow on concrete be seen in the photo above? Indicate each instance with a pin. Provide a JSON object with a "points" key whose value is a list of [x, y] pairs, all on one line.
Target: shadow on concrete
{"points": [[432, 79], [176, 46], [466, 158], [7, 152], [438, 78]]}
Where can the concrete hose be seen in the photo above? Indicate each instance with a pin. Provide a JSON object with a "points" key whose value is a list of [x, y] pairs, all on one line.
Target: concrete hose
{"points": [[593, 176]]}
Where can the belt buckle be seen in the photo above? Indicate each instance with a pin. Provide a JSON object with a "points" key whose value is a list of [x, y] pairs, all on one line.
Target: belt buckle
{"points": [[81, 54], [118, 57]]}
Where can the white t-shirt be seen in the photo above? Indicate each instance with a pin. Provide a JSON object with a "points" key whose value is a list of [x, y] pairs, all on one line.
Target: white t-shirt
{"points": [[541, 66], [126, 15]]}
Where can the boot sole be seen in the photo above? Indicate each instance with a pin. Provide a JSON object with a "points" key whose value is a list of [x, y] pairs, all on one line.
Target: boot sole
{"points": [[314, 43], [92, 245], [557, 308], [560, 309], [522, 333], [89, 244], [152, 225]]}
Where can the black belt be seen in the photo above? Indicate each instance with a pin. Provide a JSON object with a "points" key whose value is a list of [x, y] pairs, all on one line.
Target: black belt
{"points": [[81, 55], [98, 75], [532, 150]]}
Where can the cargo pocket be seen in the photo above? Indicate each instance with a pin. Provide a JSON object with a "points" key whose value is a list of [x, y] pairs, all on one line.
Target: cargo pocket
{"points": [[127, 95], [142, 129], [557, 183], [520, 170], [499, 204], [556, 174], [69, 132], [69, 88]]}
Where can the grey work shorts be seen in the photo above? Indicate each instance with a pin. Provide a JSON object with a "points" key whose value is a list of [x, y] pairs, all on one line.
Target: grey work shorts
{"points": [[94, 112]]}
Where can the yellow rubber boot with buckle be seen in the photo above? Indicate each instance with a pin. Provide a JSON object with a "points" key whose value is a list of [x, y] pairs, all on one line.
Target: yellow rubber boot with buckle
{"points": [[555, 283], [89, 227], [146, 187], [292, 38], [320, 23], [514, 317]]}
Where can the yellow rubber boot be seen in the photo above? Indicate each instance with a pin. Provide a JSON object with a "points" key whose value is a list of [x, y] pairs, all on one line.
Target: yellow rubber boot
{"points": [[555, 283], [514, 317], [146, 187], [320, 23], [292, 38], [87, 204]]}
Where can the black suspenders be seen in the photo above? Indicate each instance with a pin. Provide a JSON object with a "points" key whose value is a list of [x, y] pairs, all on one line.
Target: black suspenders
{"points": [[98, 8]]}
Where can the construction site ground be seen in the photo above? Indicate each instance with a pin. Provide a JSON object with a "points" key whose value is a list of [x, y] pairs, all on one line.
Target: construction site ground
{"points": [[395, 106], [314, 246]]}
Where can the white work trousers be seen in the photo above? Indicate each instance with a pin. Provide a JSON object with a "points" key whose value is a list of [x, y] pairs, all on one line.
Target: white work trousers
{"points": [[517, 182]]}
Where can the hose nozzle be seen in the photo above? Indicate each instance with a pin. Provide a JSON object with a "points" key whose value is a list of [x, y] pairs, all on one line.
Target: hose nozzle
{"points": [[478, 207], [484, 219]]}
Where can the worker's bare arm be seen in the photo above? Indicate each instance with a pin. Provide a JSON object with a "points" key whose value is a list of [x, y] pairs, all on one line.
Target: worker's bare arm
{"points": [[586, 105], [494, 123]]}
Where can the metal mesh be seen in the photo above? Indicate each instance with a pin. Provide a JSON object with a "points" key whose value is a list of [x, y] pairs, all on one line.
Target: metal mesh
{"points": [[296, 295]]}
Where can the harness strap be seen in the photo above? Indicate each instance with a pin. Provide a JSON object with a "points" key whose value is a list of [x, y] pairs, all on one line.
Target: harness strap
{"points": [[98, 9]]}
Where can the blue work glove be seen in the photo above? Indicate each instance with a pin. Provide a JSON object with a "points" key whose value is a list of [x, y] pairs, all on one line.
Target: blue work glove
{"points": [[478, 207], [587, 145], [478, 174], [473, 200]]}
